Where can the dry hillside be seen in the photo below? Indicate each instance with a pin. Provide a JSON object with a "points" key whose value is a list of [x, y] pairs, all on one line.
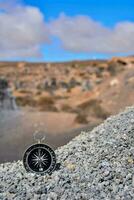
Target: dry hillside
{"points": [[90, 89]]}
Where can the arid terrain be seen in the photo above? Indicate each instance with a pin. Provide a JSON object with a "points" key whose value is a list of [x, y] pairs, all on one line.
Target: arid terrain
{"points": [[92, 89], [62, 98]]}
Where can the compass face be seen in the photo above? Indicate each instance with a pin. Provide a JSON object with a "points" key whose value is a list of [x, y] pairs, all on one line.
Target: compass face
{"points": [[40, 159]]}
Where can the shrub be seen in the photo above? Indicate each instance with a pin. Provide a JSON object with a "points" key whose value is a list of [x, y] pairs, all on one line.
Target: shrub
{"points": [[81, 119], [25, 101], [46, 104], [93, 107], [115, 68], [66, 108], [45, 100], [99, 72], [25, 91]]}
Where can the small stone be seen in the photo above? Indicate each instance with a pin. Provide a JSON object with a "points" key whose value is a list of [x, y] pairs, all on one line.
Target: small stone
{"points": [[130, 160], [133, 181], [1, 188], [106, 173], [41, 190], [13, 189], [71, 167], [52, 196]]}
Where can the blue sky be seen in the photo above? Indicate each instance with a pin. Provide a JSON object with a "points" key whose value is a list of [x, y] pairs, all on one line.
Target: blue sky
{"points": [[108, 13]]}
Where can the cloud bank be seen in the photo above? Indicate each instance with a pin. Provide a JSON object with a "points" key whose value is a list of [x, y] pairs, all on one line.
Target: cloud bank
{"points": [[82, 34], [23, 32]]}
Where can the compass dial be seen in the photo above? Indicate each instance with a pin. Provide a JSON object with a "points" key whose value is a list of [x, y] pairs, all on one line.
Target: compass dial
{"points": [[39, 158]]}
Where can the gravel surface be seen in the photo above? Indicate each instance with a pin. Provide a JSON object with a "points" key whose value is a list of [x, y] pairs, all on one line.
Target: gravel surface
{"points": [[95, 165]]}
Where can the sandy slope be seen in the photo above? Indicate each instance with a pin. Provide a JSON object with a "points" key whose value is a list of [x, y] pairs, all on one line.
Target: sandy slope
{"points": [[17, 128]]}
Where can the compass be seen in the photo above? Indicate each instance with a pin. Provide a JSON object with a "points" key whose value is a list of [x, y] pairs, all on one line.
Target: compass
{"points": [[39, 158]]}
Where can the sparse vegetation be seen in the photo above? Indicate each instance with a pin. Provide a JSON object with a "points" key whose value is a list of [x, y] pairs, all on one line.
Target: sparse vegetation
{"points": [[46, 103], [81, 118], [93, 107], [122, 62], [25, 101], [115, 68], [99, 72], [37, 90], [66, 108], [24, 91]]}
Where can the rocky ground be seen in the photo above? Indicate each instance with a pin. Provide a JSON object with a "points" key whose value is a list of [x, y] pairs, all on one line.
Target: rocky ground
{"points": [[95, 165]]}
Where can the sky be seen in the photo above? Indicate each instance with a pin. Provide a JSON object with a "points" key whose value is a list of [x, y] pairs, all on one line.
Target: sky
{"points": [[48, 30]]}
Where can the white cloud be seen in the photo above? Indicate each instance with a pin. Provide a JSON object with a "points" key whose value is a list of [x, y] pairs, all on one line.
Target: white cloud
{"points": [[82, 34], [9, 4], [22, 32]]}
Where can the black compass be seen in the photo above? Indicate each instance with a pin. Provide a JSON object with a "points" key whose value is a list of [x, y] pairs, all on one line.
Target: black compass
{"points": [[39, 158]]}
